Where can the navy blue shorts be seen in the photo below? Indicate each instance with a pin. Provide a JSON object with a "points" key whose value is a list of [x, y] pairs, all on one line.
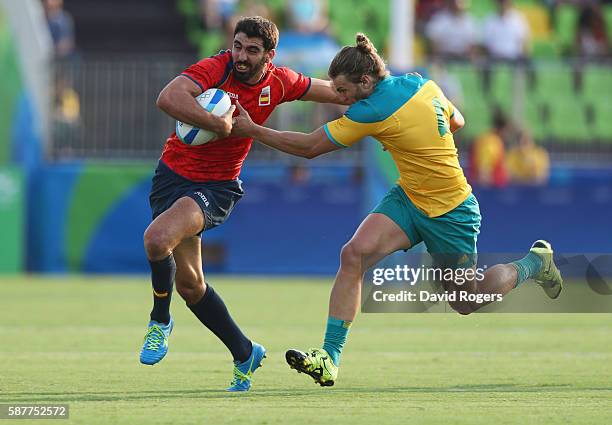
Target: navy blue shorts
{"points": [[216, 198]]}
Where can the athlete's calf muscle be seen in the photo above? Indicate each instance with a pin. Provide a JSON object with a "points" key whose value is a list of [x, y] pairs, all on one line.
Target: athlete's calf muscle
{"points": [[498, 281]]}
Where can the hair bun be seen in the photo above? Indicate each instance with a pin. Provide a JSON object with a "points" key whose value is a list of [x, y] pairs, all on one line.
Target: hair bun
{"points": [[364, 44]]}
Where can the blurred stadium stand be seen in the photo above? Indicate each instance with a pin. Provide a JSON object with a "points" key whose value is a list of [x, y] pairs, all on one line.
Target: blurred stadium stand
{"points": [[86, 181], [135, 27], [564, 102]]}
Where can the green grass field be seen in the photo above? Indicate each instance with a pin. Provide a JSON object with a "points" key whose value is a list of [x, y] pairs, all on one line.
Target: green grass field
{"points": [[76, 341]]}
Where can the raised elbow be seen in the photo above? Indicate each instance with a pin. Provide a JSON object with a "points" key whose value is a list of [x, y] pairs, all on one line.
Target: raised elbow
{"points": [[456, 128], [457, 122]]}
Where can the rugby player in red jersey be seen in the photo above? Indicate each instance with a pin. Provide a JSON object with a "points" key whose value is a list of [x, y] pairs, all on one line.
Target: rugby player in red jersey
{"points": [[195, 188]]}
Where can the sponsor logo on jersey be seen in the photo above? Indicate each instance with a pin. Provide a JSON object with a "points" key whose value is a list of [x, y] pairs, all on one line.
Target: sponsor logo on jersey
{"points": [[232, 95], [264, 96]]}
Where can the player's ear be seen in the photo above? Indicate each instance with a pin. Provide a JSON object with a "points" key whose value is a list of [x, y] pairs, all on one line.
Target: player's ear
{"points": [[271, 53]]}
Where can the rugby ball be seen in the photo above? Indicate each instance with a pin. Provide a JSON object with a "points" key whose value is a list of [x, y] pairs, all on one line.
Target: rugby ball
{"points": [[215, 101]]}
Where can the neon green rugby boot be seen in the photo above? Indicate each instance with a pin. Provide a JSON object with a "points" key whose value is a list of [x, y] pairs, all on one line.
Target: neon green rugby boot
{"points": [[316, 363], [549, 276]]}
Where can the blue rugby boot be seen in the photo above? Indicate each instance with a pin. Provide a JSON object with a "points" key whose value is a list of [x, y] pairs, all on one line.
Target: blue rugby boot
{"points": [[244, 371], [155, 344]]}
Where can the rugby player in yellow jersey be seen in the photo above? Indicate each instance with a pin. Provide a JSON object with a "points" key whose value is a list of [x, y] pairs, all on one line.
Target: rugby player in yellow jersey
{"points": [[431, 203]]}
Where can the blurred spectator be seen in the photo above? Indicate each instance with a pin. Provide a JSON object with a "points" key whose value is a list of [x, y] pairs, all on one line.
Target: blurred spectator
{"points": [[67, 104], [487, 159], [299, 174], [245, 8], [528, 163], [449, 83], [425, 9], [307, 16], [305, 44], [216, 14], [61, 27], [452, 32], [254, 8], [505, 34], [591, 32], [66, 113]]}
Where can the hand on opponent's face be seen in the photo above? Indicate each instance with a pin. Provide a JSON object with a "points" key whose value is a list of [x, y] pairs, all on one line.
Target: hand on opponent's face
{"points": [[242, 124]]}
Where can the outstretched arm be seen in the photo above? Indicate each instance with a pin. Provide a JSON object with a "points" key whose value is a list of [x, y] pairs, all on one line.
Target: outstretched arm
{"points": [[322, 91], [299, 144]]}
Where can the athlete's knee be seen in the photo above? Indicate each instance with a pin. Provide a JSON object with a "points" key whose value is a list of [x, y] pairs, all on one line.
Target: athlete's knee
{"points": [[350, 260], [190, 290], [157, 243], [354, 253]]}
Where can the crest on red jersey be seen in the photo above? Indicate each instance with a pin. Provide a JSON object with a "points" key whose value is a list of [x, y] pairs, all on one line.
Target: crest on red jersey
{"points": [[264, 96]]}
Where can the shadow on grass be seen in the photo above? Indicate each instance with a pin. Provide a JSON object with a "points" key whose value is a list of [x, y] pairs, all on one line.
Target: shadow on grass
{"points": [[260, 393]]}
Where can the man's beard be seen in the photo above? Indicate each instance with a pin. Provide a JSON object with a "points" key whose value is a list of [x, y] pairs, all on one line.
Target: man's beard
{"points": [[250, 72]]}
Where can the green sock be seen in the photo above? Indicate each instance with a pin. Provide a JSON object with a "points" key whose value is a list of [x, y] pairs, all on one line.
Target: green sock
{"points": [[335, 337], [527, 267]]}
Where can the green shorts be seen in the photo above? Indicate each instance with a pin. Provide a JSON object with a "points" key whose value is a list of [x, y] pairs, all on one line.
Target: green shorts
{"points": [[453, 234]]}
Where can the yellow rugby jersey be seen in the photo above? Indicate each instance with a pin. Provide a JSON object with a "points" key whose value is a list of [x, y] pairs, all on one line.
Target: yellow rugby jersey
{"points": [[409, 116]]}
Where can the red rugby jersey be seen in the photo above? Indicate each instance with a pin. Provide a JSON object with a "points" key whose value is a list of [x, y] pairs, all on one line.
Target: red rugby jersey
{"points": [[222, 159]]}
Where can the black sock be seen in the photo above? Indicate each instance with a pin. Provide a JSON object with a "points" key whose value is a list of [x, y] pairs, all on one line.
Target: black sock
{"points": [[212, 312], [162, 277]]}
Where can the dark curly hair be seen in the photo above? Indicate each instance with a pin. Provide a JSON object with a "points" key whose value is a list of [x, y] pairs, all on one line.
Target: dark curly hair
{"points": [[256, 26]]}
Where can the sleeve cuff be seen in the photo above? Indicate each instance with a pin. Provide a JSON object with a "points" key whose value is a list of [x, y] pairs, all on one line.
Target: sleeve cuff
{"points": [[307, 88], [331, 138], [192, 79]]}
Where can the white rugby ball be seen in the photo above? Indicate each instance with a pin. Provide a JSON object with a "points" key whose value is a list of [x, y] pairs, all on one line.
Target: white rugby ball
{"points": [[215, 101]]}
